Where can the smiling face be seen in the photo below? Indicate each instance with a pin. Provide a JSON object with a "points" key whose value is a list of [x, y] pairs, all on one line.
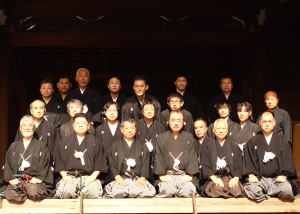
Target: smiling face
{"points": [[128, 130], [82, 78], [224, 111], [111, 113]]}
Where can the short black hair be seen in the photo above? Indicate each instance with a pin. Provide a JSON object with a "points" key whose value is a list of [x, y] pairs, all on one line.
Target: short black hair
{"points": [[64, 77], [140, 77], [80, 115], [46, 81], [112, 76], [178, 112], [221, 104], [201, 119], [226, 77], [130, 120], [148, 102], [181, 75], [175, 95], [109, 103]]}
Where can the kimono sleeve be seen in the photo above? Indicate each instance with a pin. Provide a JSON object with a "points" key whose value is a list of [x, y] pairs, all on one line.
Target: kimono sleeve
{"points": [[160, 164], [206, 160], [99, 157], [113, 160], [45, 172], [250, 163]]}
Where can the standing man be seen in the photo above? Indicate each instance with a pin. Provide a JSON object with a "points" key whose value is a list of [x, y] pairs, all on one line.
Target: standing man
{"points": [[129, 163], [27, 157], [269, 164], [80, 161], [64, 86], [226, 86], [175, 102], [114, 86], [53, 107], [90, 98], [191, 102], [44, 130], [283, 125], [224, 110], [132, 107], [175, 160]]}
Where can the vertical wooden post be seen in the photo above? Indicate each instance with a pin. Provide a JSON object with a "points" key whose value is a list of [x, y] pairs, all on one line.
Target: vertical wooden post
{"points": [[4, 86]]}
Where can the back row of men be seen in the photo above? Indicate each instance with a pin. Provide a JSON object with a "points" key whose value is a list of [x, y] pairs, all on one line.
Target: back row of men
{"points": [[142, 158], [57, 112]]}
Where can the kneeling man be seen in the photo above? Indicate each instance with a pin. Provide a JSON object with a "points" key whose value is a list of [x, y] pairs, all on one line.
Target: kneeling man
{"points": [[269, 164], [27, 166], [175, 160], [129, 162], [221, 162], [79, 161]]}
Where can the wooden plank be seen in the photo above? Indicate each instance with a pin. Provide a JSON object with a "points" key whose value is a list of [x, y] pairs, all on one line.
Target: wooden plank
{"points": [[128, 39], [152, 205]]}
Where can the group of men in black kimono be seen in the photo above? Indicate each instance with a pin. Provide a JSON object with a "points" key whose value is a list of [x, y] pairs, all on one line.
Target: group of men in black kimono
{"points": [[119, 147]]}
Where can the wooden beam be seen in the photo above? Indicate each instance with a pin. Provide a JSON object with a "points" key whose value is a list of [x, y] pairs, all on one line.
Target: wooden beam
{"points": [[141, 40], [152, 205], [133, 7]]}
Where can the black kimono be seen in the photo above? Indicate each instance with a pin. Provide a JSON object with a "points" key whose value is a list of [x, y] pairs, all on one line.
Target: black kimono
{"points": [[231, 125], [282, 164], [132, 108], [63, 106], [188, 120], [199, 147], [117, 163], [37, 154], [53, 111], [189, 154], [92, 99], [242, 136], [283, 125], [94, 157], [233, 100], [233, 157], [45, 132], [103, 133], [67, 129], [191, 104]]}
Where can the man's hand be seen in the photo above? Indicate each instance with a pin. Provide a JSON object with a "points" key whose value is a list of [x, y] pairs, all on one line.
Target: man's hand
{"points": [[35, 180], [14, 181], [253, 178], [281, 179], [217, 181], [186, 178], [89, 179], [141, 182], [120, 182], [233, 182], [66, 177], [166, 178]]}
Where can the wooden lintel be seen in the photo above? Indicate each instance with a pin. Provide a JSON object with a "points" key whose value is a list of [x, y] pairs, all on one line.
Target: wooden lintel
{"points": [[141, 40]]}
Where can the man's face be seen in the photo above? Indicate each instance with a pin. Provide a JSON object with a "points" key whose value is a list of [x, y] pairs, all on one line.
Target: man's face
{"points": [[114, 85], [38, 110], [64, 85], [267, 123], [83, 78], [181, 83], [128, 130], [224, 111], [140, 87], [271, 101], [111, 113], [244, 114], [200, 128], [149, 111], [226, 85], [220, 130], [46, 90], [176, 122], [175, 103], [27, 128], [80, 125], [74, 109]]}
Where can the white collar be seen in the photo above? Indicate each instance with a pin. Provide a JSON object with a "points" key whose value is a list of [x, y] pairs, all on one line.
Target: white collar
{"points": [[268, 139]]}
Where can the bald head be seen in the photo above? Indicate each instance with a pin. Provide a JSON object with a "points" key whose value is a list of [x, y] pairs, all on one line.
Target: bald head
{"points": [[271, 100], [267, 123], [37, 109], [220, 129]]}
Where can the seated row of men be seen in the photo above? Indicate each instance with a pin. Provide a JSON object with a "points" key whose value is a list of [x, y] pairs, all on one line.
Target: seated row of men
{"points": [[143, 159]]}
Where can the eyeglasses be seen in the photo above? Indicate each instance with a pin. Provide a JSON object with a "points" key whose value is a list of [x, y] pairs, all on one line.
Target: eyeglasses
{"points": [[175, 101]]}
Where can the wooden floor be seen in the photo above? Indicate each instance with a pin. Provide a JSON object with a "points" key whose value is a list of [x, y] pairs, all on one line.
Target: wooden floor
{"points": [[153, 205]]}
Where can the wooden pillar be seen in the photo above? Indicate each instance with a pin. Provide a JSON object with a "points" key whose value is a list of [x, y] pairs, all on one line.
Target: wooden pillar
{"points": [[4, 86], [260, 78]]}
